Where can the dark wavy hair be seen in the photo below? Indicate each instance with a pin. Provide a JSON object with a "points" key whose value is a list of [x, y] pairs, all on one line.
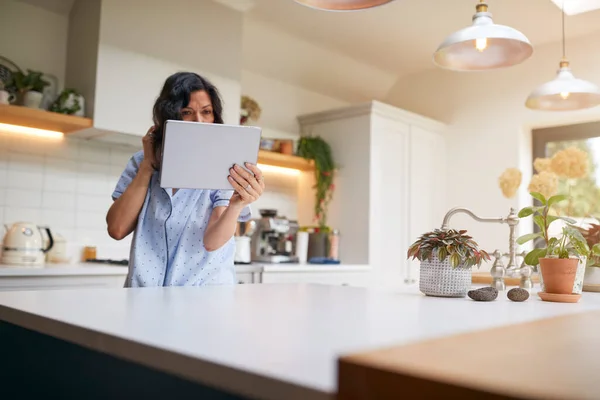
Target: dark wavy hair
{"points": [[175, 95]]}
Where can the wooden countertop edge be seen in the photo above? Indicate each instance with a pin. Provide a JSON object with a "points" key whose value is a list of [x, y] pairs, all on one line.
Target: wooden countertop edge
{"points": [[228, 379], [552, 358]]}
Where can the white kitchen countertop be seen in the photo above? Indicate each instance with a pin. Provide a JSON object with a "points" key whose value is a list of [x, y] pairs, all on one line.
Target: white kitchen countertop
{"points": [[286, 337]]}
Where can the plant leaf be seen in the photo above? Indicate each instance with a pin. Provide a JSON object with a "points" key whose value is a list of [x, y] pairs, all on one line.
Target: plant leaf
{"points": [[528, 237], [552, 218], [526, 212], [533, 257], [539, 197], [557, 199]]}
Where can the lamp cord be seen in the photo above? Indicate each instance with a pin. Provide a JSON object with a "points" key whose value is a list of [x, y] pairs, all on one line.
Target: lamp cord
{"points": [[563, 29]]}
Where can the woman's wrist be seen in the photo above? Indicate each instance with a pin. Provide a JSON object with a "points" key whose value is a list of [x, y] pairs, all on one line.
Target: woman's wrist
{"points": [[235, 208]]}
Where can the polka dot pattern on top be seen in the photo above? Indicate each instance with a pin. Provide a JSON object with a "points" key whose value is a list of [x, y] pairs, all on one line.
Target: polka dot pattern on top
{"points": [[167, 247]]}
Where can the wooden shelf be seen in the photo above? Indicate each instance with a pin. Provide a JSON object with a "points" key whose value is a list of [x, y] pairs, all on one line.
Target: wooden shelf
{"points": [[283, 160], [41, 119]]}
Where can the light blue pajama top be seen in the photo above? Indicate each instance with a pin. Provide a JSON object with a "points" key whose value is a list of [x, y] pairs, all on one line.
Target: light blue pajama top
{"points": [[167, 247]]}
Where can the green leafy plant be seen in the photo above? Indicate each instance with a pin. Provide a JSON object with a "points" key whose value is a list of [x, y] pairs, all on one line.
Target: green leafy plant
{"points": [[60, 104], [459, 247], [30, 81], [316, 149], [570, 243]]}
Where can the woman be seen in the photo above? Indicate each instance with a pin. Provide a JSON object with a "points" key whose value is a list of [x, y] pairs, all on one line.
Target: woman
{"points": [[181, 236]]}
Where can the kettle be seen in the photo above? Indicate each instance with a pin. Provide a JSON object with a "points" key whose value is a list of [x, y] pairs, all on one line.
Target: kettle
{"points": [[23, 244]]}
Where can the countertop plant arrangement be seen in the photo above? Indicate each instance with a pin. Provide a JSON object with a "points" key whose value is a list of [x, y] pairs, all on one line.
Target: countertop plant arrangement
{"points": [[559, 256]]}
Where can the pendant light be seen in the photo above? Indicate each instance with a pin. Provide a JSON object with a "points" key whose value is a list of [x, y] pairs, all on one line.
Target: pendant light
{"points": [[565, 92], [343, 5], [483, 45]]}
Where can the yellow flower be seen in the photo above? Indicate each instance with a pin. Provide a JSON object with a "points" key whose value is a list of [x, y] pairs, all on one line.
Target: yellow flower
{"points": [[545, 183], [542, 164], [509, 182], [570, 163]]}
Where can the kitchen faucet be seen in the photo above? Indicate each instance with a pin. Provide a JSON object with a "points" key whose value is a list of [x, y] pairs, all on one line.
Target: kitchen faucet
{"points": [[498, 271]]}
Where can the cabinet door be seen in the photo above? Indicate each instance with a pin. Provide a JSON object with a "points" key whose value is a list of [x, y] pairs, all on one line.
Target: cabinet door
{"points": [[427, 179]]}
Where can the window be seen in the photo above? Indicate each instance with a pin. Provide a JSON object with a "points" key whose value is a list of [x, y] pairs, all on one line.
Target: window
{"points": [[584, 205]]}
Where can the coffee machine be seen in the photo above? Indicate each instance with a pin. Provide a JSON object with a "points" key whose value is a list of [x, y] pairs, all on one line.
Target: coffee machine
{"points": [[274, 239]]}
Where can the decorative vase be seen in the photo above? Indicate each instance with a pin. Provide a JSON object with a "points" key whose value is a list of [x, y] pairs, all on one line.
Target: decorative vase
{"points": [[440, 279], [32, 99], [592, 276], [579, 277], [558, 275]]}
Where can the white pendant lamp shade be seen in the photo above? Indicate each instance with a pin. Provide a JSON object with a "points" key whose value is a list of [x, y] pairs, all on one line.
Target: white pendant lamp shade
{"points": [[564, 93], [483, 45], [343, 5]]}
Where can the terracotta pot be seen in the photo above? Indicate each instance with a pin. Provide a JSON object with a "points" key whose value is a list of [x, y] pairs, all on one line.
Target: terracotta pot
{"points": [[559, 274]]}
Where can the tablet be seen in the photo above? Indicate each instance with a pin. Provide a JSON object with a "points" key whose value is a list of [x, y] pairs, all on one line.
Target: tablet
{"points": [[198, 155]]}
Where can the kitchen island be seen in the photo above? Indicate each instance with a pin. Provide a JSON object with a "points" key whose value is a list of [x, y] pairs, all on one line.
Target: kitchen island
{"points": [[211, 341]]}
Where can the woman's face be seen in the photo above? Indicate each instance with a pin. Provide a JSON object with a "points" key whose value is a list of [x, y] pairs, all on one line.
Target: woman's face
{"points": [[199, 109]]}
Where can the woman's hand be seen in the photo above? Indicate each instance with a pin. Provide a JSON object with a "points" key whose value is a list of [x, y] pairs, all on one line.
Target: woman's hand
{"points": [[149, 154], [248, 186]]}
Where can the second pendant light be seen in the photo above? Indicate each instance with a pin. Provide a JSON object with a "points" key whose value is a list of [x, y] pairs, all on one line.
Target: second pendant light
{"points": [[483, 46], [565, 92]]}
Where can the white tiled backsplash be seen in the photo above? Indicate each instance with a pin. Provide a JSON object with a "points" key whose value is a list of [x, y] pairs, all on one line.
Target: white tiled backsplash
{"points": [[67, 186]]}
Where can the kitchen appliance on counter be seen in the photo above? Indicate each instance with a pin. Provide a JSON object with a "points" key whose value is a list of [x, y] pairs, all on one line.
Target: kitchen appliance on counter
{"points": [[243, 240], [274, 239], [23, 244]]}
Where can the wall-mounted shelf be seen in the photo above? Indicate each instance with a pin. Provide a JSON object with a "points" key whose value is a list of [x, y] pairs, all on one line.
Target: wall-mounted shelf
{"points": [[284, 160], [41, 119]]}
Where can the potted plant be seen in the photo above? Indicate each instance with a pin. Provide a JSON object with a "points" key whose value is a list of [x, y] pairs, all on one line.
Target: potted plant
{"points": [[591, 234], [69, 102], [446, 257], [316, 149], [29, 88], [561, 258]]}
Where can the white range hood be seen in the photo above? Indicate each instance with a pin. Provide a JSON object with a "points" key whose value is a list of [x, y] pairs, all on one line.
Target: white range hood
{"points": [[119, 57]]}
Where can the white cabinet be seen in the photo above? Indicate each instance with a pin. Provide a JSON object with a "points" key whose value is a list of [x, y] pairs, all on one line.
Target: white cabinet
{"points": [[247, 273], [347, 275], [389, 187], [71, 277]]}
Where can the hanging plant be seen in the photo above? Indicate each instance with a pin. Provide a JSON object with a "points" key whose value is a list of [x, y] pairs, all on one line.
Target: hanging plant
{"points": [[318, 150]]}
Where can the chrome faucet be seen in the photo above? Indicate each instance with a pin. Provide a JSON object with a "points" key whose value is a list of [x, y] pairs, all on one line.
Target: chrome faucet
{"points": [[512, 220]]}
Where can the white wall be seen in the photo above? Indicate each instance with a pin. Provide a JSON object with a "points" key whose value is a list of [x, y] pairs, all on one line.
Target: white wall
{"points": [[66, 185], [43, 47], [281, 102], [490, 127]]}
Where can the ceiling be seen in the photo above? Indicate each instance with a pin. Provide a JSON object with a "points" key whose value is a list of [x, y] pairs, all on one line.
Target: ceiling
{"points": [[56, 6], [401, 36], [356, 56]]}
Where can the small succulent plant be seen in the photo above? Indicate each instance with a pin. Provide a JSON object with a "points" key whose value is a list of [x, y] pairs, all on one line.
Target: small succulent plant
{"points": [[459, 247]]}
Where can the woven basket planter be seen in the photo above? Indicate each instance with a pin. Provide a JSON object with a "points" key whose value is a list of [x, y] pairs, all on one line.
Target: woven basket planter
{"points": [[439, 279]]}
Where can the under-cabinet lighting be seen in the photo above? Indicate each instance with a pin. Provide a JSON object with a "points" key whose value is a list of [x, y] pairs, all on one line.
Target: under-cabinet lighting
{"points": [[25, 130], [279, 170]]}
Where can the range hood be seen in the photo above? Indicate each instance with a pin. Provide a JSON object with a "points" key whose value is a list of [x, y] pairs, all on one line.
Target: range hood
{"points": [[119, 57]]}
